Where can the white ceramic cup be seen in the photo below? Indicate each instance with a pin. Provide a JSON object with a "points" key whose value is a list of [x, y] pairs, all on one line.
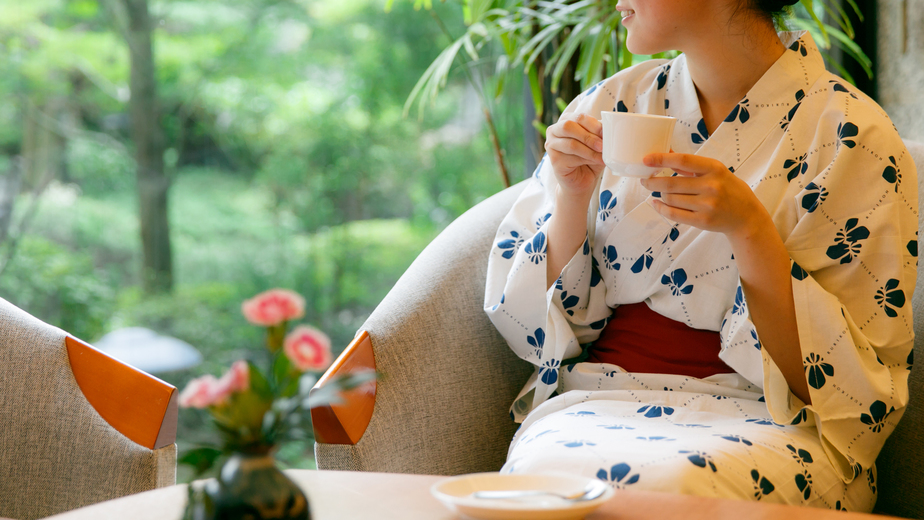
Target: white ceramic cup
{"points": [[628, 138]]}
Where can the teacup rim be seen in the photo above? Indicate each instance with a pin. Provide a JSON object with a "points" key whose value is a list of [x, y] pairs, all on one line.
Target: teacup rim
{"points": [[636, 114]]}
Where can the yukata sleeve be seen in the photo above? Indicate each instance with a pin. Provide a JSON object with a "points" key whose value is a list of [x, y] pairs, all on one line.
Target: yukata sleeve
{"points": [[854, 268], [542, 326]]}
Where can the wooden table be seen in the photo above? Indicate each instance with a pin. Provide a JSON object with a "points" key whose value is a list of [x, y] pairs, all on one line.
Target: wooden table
{"points": [[351, 495]]}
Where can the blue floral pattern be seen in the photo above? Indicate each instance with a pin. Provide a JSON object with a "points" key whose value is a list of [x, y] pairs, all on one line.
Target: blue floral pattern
{"points": [[890, 298], [509, 246], [847, 243], [814, 196], [893, 174], [677, 281], [535, 249], [796, 167]]}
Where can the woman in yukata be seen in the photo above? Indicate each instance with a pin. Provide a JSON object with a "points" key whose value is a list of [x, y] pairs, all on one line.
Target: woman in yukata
{"points": [[743, 319]]}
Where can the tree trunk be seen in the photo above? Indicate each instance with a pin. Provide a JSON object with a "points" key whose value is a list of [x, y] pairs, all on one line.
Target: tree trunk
{"points": [[9, 189], [43, 142], [147, 134]]}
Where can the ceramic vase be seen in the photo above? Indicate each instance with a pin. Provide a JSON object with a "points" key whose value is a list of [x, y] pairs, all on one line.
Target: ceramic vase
{"points": [[249, 487]]}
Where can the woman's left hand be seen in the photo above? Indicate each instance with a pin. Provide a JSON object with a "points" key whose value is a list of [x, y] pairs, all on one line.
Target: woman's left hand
{"points": [[705, 195]]}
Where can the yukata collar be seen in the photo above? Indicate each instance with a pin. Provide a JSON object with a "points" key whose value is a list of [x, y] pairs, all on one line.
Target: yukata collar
{"points": [[769, 104]]}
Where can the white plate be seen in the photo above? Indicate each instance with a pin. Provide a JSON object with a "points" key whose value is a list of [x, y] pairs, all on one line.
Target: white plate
{"points": [[456, 494]]}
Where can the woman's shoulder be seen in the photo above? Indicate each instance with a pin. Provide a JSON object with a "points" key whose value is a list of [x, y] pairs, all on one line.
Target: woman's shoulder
{"points": [[850, 138], [837, 101]]}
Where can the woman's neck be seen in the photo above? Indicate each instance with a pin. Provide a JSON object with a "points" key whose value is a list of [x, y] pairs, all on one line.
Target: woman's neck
{"points": [[724, 69]]}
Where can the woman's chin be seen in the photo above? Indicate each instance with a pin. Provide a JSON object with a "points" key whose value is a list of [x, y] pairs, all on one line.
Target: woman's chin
{"points": [[635, 46], [642, 48]]}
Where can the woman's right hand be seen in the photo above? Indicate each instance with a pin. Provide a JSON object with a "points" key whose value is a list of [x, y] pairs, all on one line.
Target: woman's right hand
{"points": [[574, 145]]}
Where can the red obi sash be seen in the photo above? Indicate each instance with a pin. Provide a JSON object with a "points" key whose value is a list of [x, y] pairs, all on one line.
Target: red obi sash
{"points": [[639, 339]]}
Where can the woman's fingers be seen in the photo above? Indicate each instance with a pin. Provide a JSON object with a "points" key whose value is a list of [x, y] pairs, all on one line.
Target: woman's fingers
{"points": [[567, 162], [680, 185], [679, 215], [568, 154], [686, 164], [683, 201], [578, 135], [582, 126]]}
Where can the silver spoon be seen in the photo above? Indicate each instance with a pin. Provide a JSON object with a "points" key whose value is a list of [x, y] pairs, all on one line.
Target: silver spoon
{"points": [[591, 492]]}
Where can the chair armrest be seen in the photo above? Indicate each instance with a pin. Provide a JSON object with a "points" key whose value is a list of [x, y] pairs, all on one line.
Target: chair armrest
{"points": [[447, 377]]}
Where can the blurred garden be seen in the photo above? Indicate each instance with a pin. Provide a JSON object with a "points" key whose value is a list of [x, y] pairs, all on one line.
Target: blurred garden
{"points": [[286, 160]]}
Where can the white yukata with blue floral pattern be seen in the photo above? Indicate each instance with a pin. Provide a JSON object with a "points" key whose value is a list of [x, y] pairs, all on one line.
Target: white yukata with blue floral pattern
{"points": [[841, 188]]}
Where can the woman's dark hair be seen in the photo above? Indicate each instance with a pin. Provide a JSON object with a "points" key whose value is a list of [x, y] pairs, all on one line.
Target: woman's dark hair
{"points": [[773, 7]]}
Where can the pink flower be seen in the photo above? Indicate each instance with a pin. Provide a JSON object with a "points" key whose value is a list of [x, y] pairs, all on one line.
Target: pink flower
{"points": [[273, 307], [237, 379], [207, 391], [308, 348], [199, 392]]}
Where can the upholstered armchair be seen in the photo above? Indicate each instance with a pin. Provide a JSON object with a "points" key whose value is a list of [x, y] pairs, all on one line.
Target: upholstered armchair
{"points": [[448, 378], [76, 426]]}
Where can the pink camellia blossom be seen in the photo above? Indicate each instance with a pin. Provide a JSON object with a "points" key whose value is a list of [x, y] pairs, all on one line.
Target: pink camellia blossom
{"points": [[273, 307], [308, 348], [237, 379], [206, 391], [199, 392]]}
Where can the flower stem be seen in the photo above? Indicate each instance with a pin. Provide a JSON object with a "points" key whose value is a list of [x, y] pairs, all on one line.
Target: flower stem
{"points": [[275, 335]]}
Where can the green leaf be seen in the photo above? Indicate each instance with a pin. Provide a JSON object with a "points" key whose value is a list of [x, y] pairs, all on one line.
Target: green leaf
{"points": [[598, 50], [201, 459], [849, 47], [839, 68], [330, 393], [856, 9], [584, 51], [259, 385], [838, 14], [469, 48], [508, 44], [500, 72], [541, 128], [282, 369], [433, 78], [853, 50], [625, 60], [476, 10], [613, 50], [535, 89], [561, 104], [822, 28], [538, 43], [306, 383], [562, 56]]}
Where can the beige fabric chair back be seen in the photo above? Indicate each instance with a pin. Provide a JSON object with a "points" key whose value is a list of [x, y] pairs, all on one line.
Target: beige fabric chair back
{"points": [[448, 377], [56, 452]]}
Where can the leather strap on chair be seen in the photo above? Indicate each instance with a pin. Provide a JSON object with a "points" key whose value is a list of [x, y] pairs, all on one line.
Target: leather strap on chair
{"points": [[346, 422], [140, 406]]}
